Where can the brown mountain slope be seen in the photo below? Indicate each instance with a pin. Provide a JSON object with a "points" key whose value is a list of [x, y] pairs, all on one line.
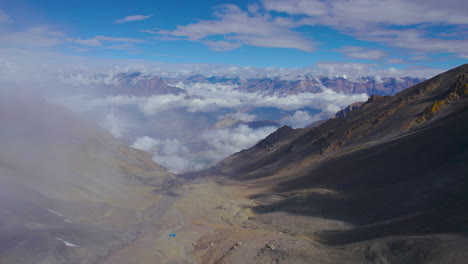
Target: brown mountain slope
{"points": [[378, 120], [387, 183], [69, 191]]}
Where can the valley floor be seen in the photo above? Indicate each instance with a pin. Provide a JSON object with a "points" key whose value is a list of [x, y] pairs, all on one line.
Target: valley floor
{"points": [[215, 222]]}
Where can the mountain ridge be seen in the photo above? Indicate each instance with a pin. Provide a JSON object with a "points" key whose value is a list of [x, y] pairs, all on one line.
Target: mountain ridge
{"points": [[371, 118], [385, 183]]}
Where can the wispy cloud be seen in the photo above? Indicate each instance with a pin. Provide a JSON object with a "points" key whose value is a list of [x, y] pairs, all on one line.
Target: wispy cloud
{"points": [[365, 13], [362, 53], [121, 47], [376, 21], [395, 61], [301, 119], [89, 42], [132, 18], [127, 43], [237, 27], [35, 37], [116, 39], [222, 45], [416, 40]]}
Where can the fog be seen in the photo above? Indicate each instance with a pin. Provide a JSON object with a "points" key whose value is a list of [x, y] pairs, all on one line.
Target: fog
{"points": [[62, 176]]}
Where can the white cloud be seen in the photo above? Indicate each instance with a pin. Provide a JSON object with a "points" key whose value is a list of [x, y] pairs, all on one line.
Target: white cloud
{"points": [[300, 119], [360, 13], [226, 141], [416, 40], [333, 108], [121, 47], [222, 45], [35, 37], [243, 116], [238, 27], [89, 42], [115, 125], [209, 99], [362, 53], [217, 144], [98, 41], [132, 18], [145, 143], [372, 20], [170, 153], [395, 61], [311, 8], [115, 39]]}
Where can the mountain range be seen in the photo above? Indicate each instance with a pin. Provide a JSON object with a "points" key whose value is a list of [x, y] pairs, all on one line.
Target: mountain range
{"points": [[138, 84]]}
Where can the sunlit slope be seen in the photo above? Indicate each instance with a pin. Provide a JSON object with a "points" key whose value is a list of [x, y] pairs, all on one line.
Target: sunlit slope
{"points": [[69, 191], [380, 119], [386, 183]]}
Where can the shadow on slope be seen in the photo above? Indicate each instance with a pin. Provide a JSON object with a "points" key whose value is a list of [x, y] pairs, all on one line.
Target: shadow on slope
{"points": [[415, 184]]}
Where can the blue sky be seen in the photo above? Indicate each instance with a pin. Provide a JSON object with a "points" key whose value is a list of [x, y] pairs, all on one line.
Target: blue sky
{"points": [[264, 33]]}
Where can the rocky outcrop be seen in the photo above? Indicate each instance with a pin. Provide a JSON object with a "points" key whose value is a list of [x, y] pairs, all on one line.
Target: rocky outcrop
{"points": [[349, 108]]}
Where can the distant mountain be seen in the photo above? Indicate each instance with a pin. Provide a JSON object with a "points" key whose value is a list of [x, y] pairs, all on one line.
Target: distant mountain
{"points": [[214, 79], [313, 84], [137, 84], [370, 84]]}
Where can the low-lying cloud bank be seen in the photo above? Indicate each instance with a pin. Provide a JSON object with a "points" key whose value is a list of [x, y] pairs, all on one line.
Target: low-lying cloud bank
{"points": [[180, 129], [181, 153], [217, 144], [212, 98]]}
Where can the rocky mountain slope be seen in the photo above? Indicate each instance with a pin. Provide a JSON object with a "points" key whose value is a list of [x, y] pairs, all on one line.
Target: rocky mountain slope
{"points": [[385, 183], [379, 119]]}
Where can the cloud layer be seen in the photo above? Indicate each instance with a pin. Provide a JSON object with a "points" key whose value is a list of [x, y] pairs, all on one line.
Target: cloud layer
{"points": [[213, 98], [179, 130], [238, 27], [405, 24], [172, 154]]}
